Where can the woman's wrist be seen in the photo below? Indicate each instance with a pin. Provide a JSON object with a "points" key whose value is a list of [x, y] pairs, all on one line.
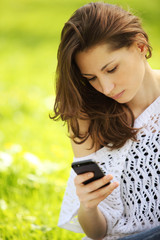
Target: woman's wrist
{"points": [[88, 209], [92, 221]]}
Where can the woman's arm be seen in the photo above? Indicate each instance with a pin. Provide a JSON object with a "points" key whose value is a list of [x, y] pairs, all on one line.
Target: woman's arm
{"points": [[81, 150], [92, 222], [90, 217]]}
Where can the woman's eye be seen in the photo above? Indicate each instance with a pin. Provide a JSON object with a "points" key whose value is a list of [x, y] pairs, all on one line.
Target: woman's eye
{"points": [[112, 70], [91, 79]]}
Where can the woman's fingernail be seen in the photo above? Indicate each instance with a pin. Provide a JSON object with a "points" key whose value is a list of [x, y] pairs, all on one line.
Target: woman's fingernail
{"points": [[108, 177], [90, 174], [116, 184]]}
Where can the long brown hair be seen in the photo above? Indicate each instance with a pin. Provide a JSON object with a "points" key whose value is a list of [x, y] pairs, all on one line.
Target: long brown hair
{"points": [[93, 24]]}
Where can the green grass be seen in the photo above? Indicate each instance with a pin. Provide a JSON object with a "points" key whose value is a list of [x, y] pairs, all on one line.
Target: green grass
{"points": [[35, 154]]}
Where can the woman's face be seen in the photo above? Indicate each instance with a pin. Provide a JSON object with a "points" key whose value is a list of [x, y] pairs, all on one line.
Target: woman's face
{"points": [[117, 74]]}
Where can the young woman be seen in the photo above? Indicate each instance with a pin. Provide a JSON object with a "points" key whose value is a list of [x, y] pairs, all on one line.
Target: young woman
{"points": [[110, 98]]}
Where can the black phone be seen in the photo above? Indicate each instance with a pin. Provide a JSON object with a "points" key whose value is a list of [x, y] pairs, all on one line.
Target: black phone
{"points": [[88, 166]]}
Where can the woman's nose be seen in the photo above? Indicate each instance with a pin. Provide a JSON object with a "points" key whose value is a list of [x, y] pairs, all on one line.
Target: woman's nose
{"points": [[107, 86]]}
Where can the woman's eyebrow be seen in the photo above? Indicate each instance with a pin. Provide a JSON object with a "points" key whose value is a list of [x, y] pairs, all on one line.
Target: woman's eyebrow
{"points": [[101, 69], [106, 65]]}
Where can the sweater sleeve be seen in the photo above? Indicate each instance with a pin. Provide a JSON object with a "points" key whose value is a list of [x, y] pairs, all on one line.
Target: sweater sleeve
{"points": [[111, 207], [68, 215]]}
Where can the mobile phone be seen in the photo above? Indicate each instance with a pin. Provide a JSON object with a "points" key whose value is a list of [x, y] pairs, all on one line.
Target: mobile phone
{"points": [[89, 165]]}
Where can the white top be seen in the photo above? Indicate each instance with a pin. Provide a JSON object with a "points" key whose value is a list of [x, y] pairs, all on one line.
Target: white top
{"points": [[135, 205]]}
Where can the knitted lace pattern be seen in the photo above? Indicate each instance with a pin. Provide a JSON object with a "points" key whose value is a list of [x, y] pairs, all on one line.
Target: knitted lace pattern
{"points": [[135, 205]]}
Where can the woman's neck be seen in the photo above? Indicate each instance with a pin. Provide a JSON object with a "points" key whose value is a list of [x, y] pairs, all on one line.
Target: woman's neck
{"points": [[148, 92]]}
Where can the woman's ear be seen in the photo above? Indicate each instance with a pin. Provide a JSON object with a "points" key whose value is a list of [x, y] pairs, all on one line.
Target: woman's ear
{"points": [[141, 43], [142, 47]]}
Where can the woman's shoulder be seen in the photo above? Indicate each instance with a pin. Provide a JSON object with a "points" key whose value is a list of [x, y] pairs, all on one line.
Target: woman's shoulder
{"points": [[83, 149]]}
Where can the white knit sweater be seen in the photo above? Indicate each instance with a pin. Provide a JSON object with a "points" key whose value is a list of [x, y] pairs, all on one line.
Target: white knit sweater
{"points": [[135, 205]]}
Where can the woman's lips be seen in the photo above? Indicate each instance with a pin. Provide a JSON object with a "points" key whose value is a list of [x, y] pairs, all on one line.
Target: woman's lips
{"points": [[118, 95]]}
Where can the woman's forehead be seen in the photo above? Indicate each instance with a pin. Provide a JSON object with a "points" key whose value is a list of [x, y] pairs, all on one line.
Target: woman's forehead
{"points": [[98, 55], [97, 50]]}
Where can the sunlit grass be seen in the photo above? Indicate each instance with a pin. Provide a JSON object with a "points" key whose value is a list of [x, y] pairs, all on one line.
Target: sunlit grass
{"points": [[30, 196], [35, 154]]}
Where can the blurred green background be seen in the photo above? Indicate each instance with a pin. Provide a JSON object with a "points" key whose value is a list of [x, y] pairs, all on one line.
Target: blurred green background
{"points": [[35, 153]]}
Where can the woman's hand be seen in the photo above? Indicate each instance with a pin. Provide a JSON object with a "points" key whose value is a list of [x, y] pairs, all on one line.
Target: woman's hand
{"points": [[91, 194]]}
